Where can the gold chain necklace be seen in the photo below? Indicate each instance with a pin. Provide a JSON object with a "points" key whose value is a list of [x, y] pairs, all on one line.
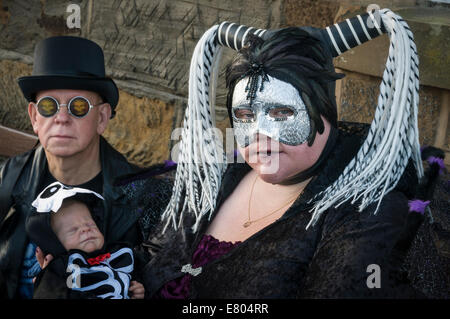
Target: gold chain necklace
{"points": [[249, 221]]}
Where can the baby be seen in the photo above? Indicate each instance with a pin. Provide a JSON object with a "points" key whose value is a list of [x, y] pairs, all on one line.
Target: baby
{"points": [[85, 265]]}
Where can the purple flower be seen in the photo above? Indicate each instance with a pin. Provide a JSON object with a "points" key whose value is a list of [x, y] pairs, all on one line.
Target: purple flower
{"points": [[418, 205], [437, 160]]}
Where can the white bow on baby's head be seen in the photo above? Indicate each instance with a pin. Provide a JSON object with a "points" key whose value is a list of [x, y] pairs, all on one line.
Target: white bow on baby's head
{"points": [[51, 198]]}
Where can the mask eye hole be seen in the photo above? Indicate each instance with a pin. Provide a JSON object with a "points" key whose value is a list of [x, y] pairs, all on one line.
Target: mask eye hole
{"points": [[244, 114], [281, 113]]}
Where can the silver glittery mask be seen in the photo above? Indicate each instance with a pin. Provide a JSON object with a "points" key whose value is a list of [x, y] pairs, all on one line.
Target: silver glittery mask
{"points": [[277, 112]]}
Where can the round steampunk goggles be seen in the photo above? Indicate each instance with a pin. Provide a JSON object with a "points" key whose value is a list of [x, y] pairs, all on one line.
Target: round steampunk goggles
{"points": [[78, 106]]}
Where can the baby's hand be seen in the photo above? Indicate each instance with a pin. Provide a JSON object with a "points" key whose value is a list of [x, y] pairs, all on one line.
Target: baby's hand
{"points": [[43, 260], [136, 290]]}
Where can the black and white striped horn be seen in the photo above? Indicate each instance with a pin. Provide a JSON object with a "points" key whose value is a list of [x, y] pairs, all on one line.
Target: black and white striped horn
{"points": [[339, 37], [353, 32], [234, 35]]}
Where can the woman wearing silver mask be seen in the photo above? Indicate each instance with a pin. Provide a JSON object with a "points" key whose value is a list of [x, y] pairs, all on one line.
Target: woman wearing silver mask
{"points": [[286, 98], [256, 238]]}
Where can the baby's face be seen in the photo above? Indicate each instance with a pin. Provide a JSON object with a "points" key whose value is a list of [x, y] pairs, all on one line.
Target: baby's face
{"points": [[75, 228]]}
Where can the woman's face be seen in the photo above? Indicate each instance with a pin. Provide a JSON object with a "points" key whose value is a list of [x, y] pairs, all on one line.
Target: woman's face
{"points": [[276, 111], [275, 130]]}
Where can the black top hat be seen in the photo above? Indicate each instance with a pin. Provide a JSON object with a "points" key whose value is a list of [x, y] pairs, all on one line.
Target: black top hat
{"points": [[66, 62]]}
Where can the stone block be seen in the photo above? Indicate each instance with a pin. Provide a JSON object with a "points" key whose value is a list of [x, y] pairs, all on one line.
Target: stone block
{"points": [[13, 106], [431, 29], [313, 13], [151, 42], [358, 101], [141, 129]]}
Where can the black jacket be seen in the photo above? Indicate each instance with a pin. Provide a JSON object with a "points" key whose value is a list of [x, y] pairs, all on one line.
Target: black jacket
{"points": [[283, 260], [20, 178]]}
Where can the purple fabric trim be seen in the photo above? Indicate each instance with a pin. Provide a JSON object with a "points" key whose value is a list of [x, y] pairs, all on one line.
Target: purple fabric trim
{"points": [[169, 163], [437, 160], [418, 205], [207, 250]]}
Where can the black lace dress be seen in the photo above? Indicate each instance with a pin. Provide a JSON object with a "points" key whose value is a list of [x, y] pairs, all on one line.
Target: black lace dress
{"points": [[333, 259]]}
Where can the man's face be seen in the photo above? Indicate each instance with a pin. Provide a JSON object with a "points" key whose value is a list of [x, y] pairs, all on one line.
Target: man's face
{"points": [[75, 228], [64, 135]]}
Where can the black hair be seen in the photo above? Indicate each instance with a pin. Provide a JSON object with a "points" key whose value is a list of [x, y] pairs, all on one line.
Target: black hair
{"points": [[295, 56]]}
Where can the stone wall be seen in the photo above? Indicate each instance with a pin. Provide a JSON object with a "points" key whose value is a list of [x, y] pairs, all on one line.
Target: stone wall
{"points": [[148, 46]]}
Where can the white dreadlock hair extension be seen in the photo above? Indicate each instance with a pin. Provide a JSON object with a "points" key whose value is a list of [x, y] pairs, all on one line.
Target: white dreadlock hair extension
{"points": [[201, 161], [393, 135]]}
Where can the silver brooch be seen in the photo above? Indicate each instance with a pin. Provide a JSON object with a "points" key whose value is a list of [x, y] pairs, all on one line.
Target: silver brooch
{"points": [[192, 271]]}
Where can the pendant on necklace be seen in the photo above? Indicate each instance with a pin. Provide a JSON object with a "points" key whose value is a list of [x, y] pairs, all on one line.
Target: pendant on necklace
{"points": [[246, 224]]}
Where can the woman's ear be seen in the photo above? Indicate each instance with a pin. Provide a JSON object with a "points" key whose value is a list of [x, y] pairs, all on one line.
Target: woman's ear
{"points": [[104, 115]]}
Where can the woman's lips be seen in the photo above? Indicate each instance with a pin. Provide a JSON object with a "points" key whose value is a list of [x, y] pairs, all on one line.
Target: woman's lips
{"points": [[265, 153]]}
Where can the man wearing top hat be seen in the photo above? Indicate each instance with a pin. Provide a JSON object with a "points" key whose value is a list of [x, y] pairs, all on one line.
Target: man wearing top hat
{"points": [[70, 104]]}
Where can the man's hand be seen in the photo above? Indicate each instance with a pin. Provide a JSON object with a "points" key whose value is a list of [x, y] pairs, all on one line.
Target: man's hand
{"points": [[136, 290]]}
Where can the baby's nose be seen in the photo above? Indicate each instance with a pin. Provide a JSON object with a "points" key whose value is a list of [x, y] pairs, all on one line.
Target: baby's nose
{"points": [[85, 228]]}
